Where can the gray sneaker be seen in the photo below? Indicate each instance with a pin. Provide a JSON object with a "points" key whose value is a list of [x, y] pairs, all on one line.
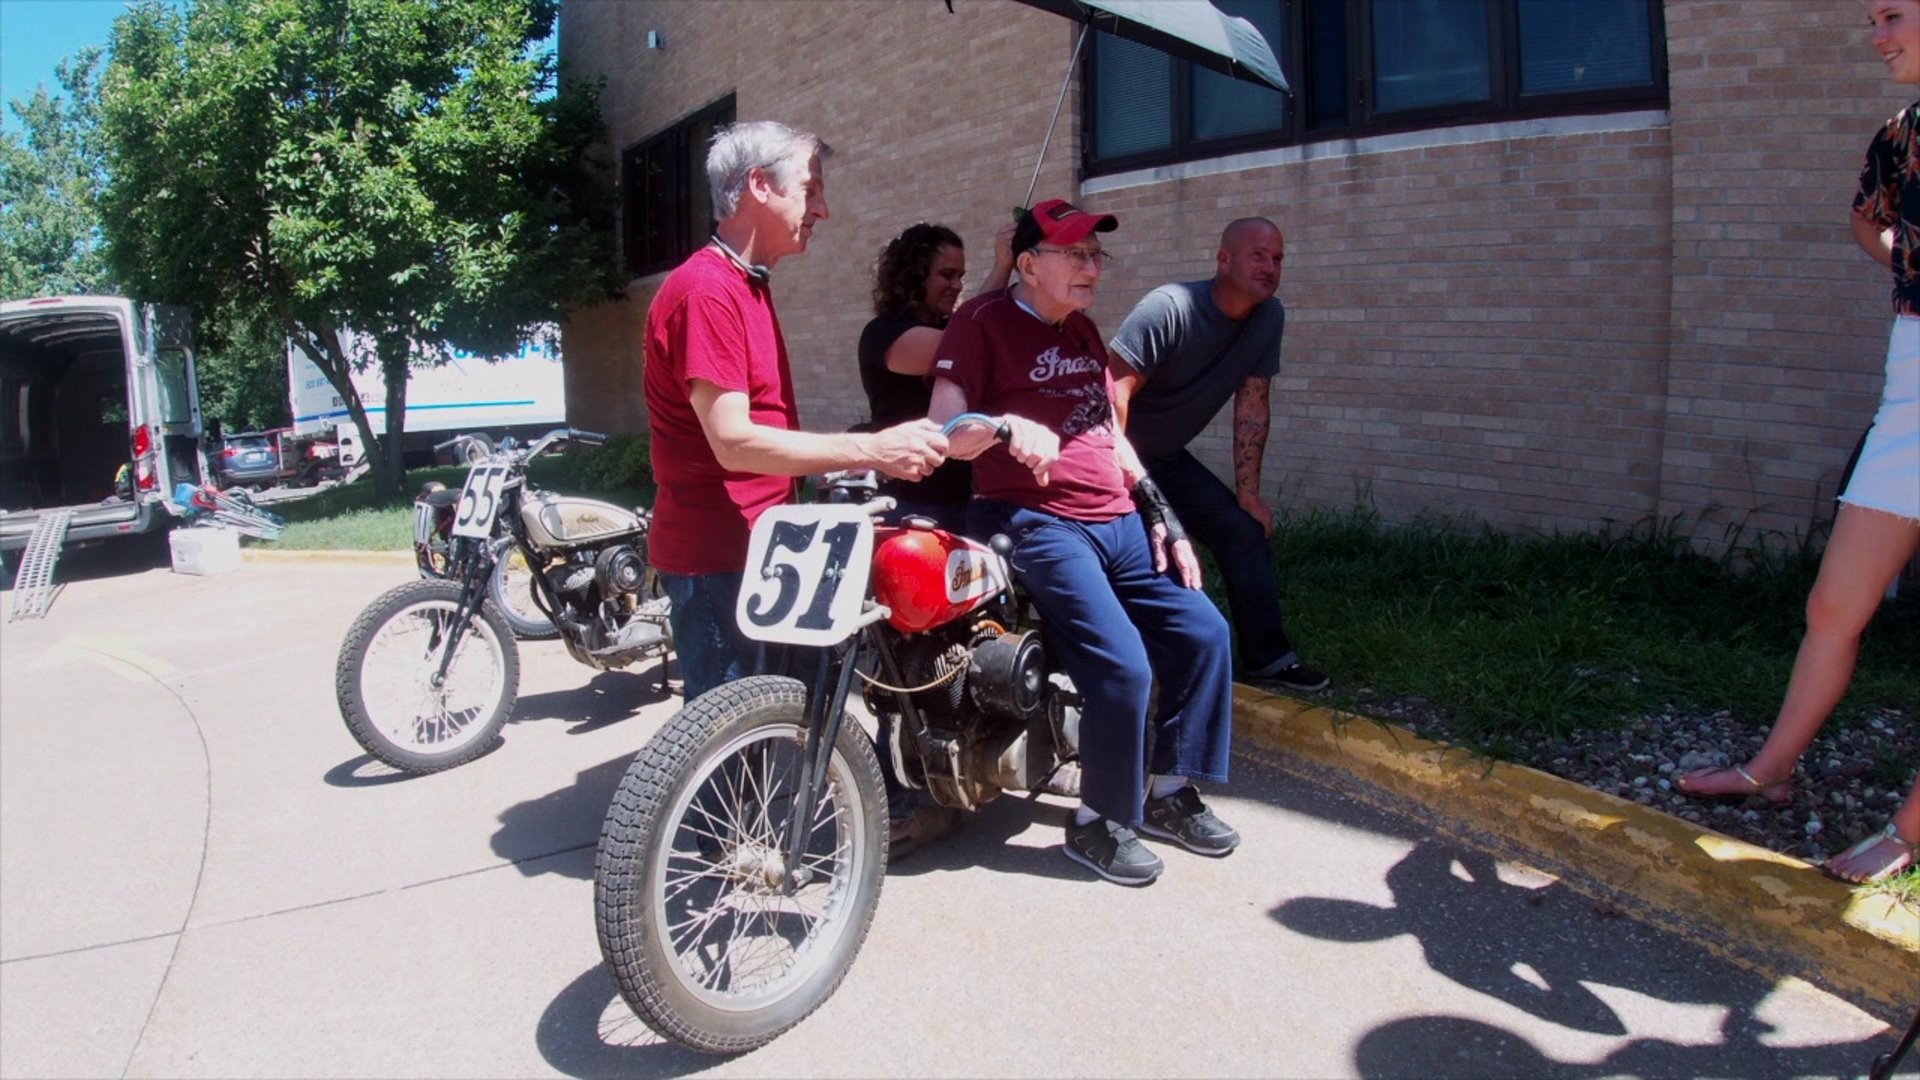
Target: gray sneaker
{"points": [[1182, 818], [1111, 850]]}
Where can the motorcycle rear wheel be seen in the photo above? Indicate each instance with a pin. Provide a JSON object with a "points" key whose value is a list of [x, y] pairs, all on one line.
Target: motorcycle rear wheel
{"points": [[383, 679], [703, 944], [511, 590]]}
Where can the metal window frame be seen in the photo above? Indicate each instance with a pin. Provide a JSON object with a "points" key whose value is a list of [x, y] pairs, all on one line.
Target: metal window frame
{"points": [[1504, 103], [684, 183]]}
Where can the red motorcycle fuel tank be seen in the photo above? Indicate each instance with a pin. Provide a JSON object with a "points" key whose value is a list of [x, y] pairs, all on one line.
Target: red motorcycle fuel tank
{"points": [[927, 577]]}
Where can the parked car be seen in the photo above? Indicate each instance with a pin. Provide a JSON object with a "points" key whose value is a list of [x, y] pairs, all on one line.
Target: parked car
{"points": [[249, 459]]}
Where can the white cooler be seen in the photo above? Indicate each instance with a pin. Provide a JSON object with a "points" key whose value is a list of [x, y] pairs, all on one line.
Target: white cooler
{"points": [[204, 550]]}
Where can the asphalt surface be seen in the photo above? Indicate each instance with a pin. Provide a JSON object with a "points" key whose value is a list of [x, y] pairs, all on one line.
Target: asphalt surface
{"points": [[201, 874]]}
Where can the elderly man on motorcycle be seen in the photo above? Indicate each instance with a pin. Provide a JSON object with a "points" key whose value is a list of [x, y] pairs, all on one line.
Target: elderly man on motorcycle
{"points": [[1096, 548]]}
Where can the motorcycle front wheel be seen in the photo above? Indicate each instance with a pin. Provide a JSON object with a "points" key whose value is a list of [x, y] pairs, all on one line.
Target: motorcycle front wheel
{"points": [[706, 946], [511, 590], [388, 688]]}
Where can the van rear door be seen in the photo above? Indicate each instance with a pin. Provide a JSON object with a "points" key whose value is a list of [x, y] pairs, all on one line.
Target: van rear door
{"points": [[168, 401]]}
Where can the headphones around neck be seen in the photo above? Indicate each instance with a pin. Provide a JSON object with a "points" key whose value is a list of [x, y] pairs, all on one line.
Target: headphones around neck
{"points": [[754, 271]]}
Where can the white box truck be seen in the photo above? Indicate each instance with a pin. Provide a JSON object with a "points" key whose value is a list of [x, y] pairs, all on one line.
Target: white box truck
{"points": [[521, 394]]}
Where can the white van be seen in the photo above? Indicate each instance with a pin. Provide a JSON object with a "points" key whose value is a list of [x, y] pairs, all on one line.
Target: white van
{"points": [[89, 384]]}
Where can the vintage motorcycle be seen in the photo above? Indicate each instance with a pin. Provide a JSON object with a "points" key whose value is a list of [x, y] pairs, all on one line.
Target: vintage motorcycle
{"points": [[741, 860], [429, 672], [511, 589]]}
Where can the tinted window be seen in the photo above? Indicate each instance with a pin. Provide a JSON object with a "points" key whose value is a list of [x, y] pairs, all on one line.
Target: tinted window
{"points": [[170, 371], [668, 209], [1366, 66]]}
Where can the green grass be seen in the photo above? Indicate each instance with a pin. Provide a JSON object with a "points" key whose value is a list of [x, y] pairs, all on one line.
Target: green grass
{"points": [[1518, 635], [353, 517], [1903, 888], [1512, 635]]}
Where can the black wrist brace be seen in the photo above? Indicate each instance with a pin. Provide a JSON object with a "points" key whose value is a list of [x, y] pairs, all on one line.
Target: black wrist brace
{"points": [[1156, 510]]}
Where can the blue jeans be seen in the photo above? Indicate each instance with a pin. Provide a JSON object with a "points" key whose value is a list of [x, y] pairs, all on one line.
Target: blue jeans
{"points": [[1214, 520], [707, 640], [1115, 626]]}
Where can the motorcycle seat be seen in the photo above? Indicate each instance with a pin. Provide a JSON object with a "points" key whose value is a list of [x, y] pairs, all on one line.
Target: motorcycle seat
{"points": [[443, 497]]}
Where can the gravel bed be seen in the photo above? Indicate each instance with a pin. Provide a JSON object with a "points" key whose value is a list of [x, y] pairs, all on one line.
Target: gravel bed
{"points": [[1843, 790]]}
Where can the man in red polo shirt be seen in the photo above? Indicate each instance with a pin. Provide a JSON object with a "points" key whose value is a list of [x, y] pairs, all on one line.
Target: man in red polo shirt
{"points": [[726, 439]]}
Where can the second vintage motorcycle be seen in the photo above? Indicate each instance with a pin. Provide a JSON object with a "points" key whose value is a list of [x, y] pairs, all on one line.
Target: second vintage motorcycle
{"points": [[429, 672]]}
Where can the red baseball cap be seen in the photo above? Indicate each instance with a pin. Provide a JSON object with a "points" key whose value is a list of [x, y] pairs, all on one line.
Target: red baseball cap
{"points": [[1056, 221]]}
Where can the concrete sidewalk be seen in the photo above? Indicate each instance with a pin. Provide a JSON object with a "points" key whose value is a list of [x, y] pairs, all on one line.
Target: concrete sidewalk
{"points": [[201, 874]]}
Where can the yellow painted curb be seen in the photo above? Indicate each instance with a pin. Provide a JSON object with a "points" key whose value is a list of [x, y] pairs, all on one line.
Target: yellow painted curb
{"points": [[1764, 910], [376, 558]]}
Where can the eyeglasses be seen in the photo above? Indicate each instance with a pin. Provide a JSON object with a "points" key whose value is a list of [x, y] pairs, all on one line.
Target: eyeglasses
{"points": [[1100, 259]]}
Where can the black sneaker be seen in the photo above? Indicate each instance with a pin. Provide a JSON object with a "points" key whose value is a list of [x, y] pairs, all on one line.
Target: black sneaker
{"points": [[1110, 849], [1182, 818], [1296, 677]]}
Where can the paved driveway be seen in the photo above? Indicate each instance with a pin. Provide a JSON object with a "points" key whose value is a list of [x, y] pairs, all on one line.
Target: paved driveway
{"points": [[201, 874]]}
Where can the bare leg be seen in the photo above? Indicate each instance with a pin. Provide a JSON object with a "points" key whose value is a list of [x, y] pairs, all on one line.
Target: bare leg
{"points": [[1867, 549], [1881, 856]]}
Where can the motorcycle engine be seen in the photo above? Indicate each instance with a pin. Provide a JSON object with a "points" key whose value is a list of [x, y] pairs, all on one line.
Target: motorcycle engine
{"points": [[989, 707], [932, 659], [615, 571], [619, 570]]}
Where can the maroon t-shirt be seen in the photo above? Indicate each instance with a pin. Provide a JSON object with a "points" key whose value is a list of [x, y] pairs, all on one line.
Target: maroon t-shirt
{"points": [[708, 321], [1008, 360]]}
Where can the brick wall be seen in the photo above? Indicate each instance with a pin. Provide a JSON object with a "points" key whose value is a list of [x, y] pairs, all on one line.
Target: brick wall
{"points": [[1540, 330], [1779, 326]]}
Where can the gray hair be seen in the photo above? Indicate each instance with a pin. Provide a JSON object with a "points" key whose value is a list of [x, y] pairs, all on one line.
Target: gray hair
{"points": [[768, 145]]}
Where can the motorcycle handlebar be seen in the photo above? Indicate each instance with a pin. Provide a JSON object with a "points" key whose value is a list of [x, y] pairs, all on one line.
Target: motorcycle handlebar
{"points": [[1001, 431], [591, 438]]}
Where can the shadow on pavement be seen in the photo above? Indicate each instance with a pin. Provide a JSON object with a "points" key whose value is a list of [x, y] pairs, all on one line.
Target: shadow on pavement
{"points": [[589, 1031], [607, 698], [1484, 934], [368, 771], [981, 843], [1452, 1046], [559, 821], [107, 558]]}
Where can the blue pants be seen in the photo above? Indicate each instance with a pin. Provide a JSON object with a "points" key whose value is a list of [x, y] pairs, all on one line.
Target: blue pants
{"points": [[1115, 626], [1214, 520], [706, 639]]}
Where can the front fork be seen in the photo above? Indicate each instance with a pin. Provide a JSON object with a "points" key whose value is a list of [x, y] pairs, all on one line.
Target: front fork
{"points": [[471, 564], [826, 710]]}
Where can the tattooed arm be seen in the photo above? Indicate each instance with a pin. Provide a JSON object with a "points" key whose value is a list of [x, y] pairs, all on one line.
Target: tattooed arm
{"points": [[1252, 416]]}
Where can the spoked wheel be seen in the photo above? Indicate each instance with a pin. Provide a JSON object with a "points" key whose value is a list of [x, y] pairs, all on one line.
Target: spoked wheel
{"points": [[388, 687], [511, 591], [705, 942]]}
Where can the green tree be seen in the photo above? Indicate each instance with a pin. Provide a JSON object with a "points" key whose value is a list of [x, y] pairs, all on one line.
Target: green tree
{"points": [[50, 180], [404, 168], [242, 366]]}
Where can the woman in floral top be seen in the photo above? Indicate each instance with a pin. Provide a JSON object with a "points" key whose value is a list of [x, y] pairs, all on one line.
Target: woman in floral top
{"points": [[1878, 526]]}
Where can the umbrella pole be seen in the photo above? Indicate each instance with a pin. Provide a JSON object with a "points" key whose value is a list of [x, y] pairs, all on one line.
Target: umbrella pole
{"points": [[1062, 100]]}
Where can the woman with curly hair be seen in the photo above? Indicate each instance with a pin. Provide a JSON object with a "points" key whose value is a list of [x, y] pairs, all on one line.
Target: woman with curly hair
{"points": [[916, 286]]}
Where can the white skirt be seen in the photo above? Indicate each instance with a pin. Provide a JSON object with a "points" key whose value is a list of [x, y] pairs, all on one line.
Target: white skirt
{"points": [[1887, 476]]}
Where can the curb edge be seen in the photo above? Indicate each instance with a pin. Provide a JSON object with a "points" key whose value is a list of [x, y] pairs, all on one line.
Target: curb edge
{"points": [[1755, 906]]}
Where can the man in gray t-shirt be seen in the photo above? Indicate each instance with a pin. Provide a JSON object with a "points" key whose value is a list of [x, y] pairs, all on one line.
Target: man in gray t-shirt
{"points": [[1182, 352]]}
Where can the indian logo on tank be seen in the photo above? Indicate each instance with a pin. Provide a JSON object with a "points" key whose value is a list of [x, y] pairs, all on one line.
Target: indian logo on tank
{"points": [[972, 574]]}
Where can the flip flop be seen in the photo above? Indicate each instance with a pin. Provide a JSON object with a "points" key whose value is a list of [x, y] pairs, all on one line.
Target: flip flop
{"points": [[1906, 853], [1756, 789]]}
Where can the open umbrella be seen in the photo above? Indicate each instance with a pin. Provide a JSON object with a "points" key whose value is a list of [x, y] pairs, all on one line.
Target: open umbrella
{"points": [[1192, 30]]}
